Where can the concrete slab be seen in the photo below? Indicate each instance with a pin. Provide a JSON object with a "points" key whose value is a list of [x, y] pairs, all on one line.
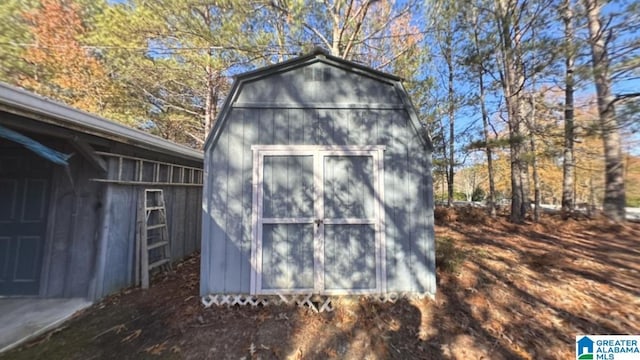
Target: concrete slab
{"points": [[24, 318]]}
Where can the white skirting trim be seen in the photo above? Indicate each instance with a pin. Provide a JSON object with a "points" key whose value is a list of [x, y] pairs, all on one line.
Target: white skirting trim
{"points": [[317, 303]]}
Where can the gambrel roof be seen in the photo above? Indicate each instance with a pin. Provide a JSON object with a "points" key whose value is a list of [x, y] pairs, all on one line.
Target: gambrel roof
{"points": [[317, 56]]}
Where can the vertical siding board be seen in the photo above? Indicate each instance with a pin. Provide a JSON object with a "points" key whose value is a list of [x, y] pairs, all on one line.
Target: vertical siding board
{"points": [[296, 127], [196, 205], [131, 243], [414, 192], [368, 127], [407, 273], [207, 219], [174, 204], [324, 127], [61, 236], [185, 221], [265, 126], [309, 117], [234, 205], [339, 134], [115, 276], [174, 217], [172, 211], [422, 258], [191, 222], [98, 283], [174, 200], [250, 136], [218, 206], [385, 138], [398, 244], [430, 233], [280, 126]]}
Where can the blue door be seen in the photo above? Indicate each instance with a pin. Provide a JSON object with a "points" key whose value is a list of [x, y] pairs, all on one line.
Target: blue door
{"points": [[25, 181]]}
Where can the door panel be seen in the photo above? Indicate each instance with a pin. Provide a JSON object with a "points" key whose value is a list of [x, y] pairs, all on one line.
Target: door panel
{"points": [[9, 198], [5, 254], [317, 221], [348, 187], [288, 186], [287, 256], [27, 252], [34, 200], [350, 257], [287, 218], [24, 195]]}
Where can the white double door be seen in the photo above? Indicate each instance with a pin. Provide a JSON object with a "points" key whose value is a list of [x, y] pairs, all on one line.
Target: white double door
{"points": [[317, 216]]}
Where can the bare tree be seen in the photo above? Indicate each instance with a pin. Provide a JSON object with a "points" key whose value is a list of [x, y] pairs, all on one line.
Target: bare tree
{"points": [[478, 64], [568, 162], [508, 14], [614, 196]]}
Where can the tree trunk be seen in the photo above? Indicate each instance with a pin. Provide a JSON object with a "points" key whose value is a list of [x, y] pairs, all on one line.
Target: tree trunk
{"points": [[208, 108], [614, 195], [209, 116], [519, 118], [534, 160], [491, 203], [512, 78], [451, 113], [445, 163], [568, 164], [488, 149]]}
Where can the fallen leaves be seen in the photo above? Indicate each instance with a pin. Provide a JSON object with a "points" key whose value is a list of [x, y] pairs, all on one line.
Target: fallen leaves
{"points": [[156, 349], [132, 336]]}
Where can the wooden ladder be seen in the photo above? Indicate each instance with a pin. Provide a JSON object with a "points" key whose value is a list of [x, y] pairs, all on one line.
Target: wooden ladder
{"points": [[153, 235]]}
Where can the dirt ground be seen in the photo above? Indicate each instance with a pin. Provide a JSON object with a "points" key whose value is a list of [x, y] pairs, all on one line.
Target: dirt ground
{"points": [[504, 292]]}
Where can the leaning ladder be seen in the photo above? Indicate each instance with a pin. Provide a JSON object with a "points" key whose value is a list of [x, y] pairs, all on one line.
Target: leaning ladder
{"points": [[154, 235]]}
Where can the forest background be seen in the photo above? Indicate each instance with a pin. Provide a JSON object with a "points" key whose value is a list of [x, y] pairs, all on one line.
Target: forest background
{"points": [[526, 101]]}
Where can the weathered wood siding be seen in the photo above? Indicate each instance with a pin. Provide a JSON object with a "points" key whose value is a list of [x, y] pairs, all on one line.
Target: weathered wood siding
{"points": [[91, 233], [317, 105], [117, 238], [71, 247]]}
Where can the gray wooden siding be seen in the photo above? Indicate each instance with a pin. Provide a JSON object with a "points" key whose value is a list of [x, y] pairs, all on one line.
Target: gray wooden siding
{"points": [[118, 238], [70, 251], [227, 205], [318, 84], [90, 236], [82, 213]]}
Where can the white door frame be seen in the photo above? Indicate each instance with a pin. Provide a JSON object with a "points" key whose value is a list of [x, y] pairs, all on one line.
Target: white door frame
{"points": [[318, 152]]}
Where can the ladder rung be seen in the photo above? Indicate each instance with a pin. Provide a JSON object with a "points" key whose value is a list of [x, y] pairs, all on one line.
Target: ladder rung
{"points": [[155, 208], [157, 245], [158, 263], [151, 227]]}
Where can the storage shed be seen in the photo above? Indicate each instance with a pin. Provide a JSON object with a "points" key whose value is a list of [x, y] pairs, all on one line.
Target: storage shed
{"points": [[317, 181], [69, 198]]}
